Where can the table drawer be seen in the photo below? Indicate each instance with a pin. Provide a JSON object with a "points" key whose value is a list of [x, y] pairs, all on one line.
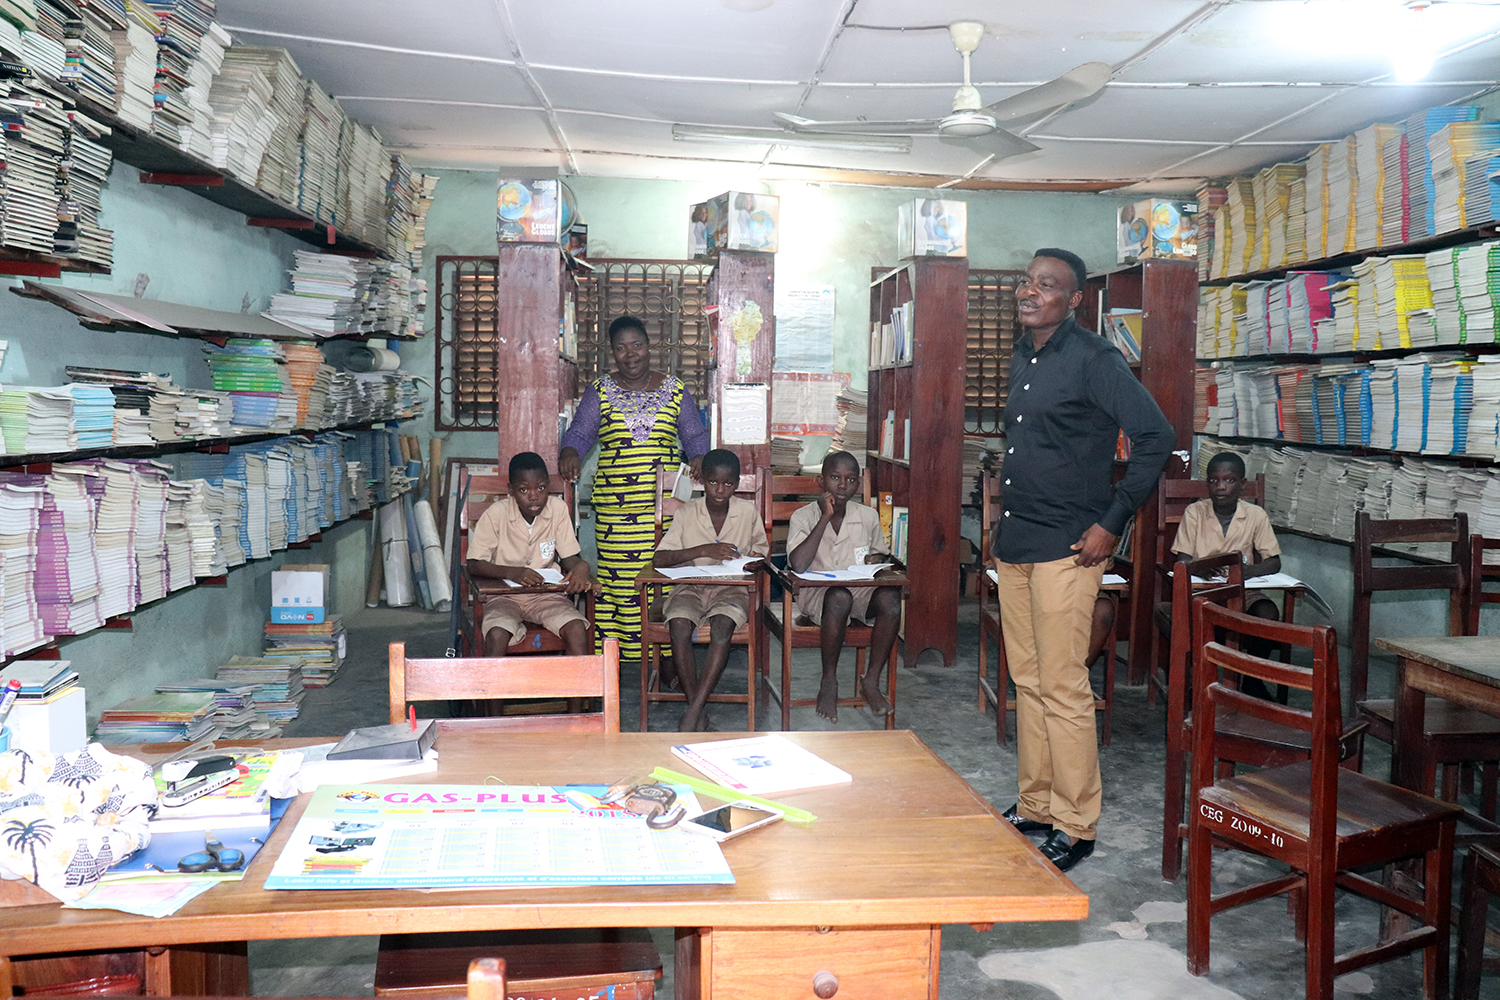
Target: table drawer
{"points": [[781, 964]]}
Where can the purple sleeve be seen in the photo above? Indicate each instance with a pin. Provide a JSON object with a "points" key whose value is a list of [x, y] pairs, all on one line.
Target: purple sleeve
{"points": [[584, 430], [690, 429]]}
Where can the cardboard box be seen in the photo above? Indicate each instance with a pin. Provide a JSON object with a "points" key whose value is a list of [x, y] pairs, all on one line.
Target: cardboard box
{"points": [[932, 227], [699, 225], [55, 726], [739, 220], [529, 210], [299, 594], [1157, 228]]}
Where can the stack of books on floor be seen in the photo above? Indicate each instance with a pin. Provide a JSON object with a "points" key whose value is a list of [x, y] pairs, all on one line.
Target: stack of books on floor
{"points": [[278, 686], [319, 648], [158, 718], [234, 706]]}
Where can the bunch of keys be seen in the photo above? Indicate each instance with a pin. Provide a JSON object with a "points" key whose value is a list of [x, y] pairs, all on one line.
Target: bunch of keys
{"points": [[657, 803]]}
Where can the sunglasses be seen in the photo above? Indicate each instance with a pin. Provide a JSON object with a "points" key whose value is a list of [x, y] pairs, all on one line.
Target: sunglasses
{"points": [[214, 857]]}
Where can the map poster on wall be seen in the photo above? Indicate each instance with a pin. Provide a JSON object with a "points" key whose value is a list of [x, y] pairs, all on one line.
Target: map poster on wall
{"points": [[804, 328], [806, 402], [430, 836]]}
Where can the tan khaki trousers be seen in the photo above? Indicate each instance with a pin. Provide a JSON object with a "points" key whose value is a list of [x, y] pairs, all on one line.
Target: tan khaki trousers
{"points": [[1046, 610]]}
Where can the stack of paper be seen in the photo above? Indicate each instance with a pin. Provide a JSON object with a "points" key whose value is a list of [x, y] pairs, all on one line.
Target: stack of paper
{"points": [[786, 456], [197, 137], [1369, 202], [1343, 189], [66, 576], [849, 434], [158, 718], [113, 489], [33, 148], [1273, 200], [1243, 233], [1477, 273], [319, 648], [1449, 149], [278, 683], [234, 704], [1420, 128], [1317, 202], [135, 65], [1395, 202], [1484, 417], [20, 516]]}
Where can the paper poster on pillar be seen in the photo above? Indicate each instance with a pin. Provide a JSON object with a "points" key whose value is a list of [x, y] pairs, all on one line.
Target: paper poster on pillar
{"points": [[745, 323], [744, 413]]}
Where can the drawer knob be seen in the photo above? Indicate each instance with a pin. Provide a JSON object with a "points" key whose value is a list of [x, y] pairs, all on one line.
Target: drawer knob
{"points": [[825, 984]]}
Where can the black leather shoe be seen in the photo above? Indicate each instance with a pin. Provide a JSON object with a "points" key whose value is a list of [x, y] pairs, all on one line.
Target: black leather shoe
{"points": [[1023, 824], [1063, 853]]}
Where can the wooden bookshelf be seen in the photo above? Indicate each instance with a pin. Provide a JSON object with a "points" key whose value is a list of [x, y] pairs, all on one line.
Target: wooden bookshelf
{"points": [[533, 378], [923, 467], [1166, 292]]}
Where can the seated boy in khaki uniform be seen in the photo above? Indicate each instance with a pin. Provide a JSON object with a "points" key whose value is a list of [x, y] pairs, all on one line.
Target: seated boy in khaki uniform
{"points": [[708, 529], [527, 531], [832, 534]]}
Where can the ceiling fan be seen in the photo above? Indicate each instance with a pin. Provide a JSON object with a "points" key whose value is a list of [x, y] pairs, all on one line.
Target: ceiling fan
{"points": [[971, 124]]}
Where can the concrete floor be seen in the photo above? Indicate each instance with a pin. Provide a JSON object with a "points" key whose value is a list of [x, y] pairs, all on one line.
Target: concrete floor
{"points": [[1131, 946]]}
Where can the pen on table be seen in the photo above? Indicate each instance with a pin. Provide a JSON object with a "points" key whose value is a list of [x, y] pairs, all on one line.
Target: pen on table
{"points": [[411, 715], [8, 698]]}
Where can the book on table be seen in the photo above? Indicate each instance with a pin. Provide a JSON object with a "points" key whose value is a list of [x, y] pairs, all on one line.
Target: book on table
{"points": [[761, 765]]}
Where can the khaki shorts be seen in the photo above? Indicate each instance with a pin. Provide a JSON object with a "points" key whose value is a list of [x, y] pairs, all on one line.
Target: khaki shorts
{"points": [[699, 603], [550, 611], [810, 603]]}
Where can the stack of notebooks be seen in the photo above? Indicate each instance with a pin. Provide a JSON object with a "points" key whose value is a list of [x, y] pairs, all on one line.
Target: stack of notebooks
{"points": [[234, 705], [1481, 202], [1240, 220], [278, 686], [253, 373], [328, 296], [280, 162], [1420, 130], [158, 718], [197, 137], [318, 648], [310, 380], [243, 121], [1395, 206], [42, 681], [1450, 149], [66, 575], [323, 122], [135, 65], [1370, 166], [786, 456], [852, 427], [20, 515], [183, 25]]}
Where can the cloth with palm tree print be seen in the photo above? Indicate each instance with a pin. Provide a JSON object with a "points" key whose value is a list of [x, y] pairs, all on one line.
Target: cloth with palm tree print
{"points": [[66, 818]]}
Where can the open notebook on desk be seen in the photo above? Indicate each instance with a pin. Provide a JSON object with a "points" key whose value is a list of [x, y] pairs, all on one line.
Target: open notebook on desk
{"points": [[729, 567], [865, 571]]}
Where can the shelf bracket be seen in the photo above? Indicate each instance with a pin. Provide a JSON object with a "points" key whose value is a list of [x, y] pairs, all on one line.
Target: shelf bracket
{"points": [[270, 223], [214, 581], [119, 623], [30, 269], [183, 180]]}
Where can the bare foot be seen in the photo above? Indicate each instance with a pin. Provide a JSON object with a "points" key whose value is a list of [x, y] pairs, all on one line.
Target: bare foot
{"points": [[870, 686], [690, 721], [828, 699], [706, 722]]}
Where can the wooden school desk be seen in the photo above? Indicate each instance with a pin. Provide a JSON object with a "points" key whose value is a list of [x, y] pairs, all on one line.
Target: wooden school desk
{"points": [[861, 893]]}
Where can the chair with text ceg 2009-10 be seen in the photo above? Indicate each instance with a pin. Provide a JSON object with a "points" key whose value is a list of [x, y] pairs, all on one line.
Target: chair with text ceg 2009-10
{"points": [[579, 962], [1321, 820]]}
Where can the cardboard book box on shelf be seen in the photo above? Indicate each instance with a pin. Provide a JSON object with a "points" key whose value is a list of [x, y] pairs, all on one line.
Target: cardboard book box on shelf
{"points": [[932, 227], [299, 594], [1157, 228], [529, 210], [735, 220]]}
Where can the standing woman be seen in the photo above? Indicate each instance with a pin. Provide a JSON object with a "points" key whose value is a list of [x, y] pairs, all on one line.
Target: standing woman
{"points": [[637, 416]]}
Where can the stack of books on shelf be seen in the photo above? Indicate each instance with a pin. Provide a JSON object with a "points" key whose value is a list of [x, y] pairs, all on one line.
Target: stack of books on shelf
{"points": [[317, 178], [891, 340], [1210, 200], [158, 718], [786, 456], [1240, 221], [278, 686], [197, 137], [1395, 203], [318, 648], [135, 64], [1316, 225], [65, 587], [328, 294], [1449, 149], [311, 380], [1420, 129], [852, 427], [1369, 168], [254, 373], [234, 705], [1122, 327], [1273, 197]]}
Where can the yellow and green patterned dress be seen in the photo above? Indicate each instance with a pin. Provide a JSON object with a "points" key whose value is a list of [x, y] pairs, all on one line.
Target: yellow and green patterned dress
{"points": [[636, 430]]}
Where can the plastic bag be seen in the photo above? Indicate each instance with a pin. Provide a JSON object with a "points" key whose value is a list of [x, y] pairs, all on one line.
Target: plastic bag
{"points": [[66, 818]]}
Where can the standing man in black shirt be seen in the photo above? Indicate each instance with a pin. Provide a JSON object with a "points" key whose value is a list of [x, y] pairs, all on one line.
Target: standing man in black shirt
{"points": [[1071, 393]]}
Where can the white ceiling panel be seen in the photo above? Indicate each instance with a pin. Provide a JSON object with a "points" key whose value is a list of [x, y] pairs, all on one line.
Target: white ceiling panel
{"points": [[471, 27], [461, 157], [1239, 160], [1084, 161], [342, 71], [669, 100], [1189, 114], [683, 37], [447, 124], [834, 102], [1353, 109]]}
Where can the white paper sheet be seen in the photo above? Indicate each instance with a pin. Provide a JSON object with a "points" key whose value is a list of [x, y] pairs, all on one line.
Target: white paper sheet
{"points": [[729, 567], [865, 571], [744, 413]]}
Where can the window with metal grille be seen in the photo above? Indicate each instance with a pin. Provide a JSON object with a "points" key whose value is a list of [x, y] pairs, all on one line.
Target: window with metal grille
{"points": [[669, 296], [993, 328]]}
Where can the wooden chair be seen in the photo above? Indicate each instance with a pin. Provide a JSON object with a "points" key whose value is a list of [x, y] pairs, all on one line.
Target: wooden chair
{"points": [[1481, 881], [483, 492], [433, 965], [448, 678], [654, 631], [1477, 597], [1451, 734], [990, 629], [1245, 739], [1321, 820], [1173, 496], [788, 493]]}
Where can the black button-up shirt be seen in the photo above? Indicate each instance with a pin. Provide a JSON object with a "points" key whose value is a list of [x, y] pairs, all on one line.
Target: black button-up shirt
{"points": [[1067, 404]]}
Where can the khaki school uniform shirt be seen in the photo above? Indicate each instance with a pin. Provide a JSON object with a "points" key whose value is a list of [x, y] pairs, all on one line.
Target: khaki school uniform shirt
{"points": [[502, 536], [1200, 534], [692, 527], [859, 536]]}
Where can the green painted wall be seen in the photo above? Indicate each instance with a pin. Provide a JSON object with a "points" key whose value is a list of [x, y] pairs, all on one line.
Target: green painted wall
{"points": [[198, 253], [829, 234]]}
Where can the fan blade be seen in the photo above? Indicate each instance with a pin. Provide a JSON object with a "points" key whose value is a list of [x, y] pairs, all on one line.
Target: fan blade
{"points": [[1081, 81], [911, 126], [1001, 143]]}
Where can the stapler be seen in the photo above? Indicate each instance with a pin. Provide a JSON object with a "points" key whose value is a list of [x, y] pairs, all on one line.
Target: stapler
{"points": [[196, 777]]}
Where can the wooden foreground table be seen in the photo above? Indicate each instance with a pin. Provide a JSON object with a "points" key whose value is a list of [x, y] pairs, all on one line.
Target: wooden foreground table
{"points": [[861, 893]]}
